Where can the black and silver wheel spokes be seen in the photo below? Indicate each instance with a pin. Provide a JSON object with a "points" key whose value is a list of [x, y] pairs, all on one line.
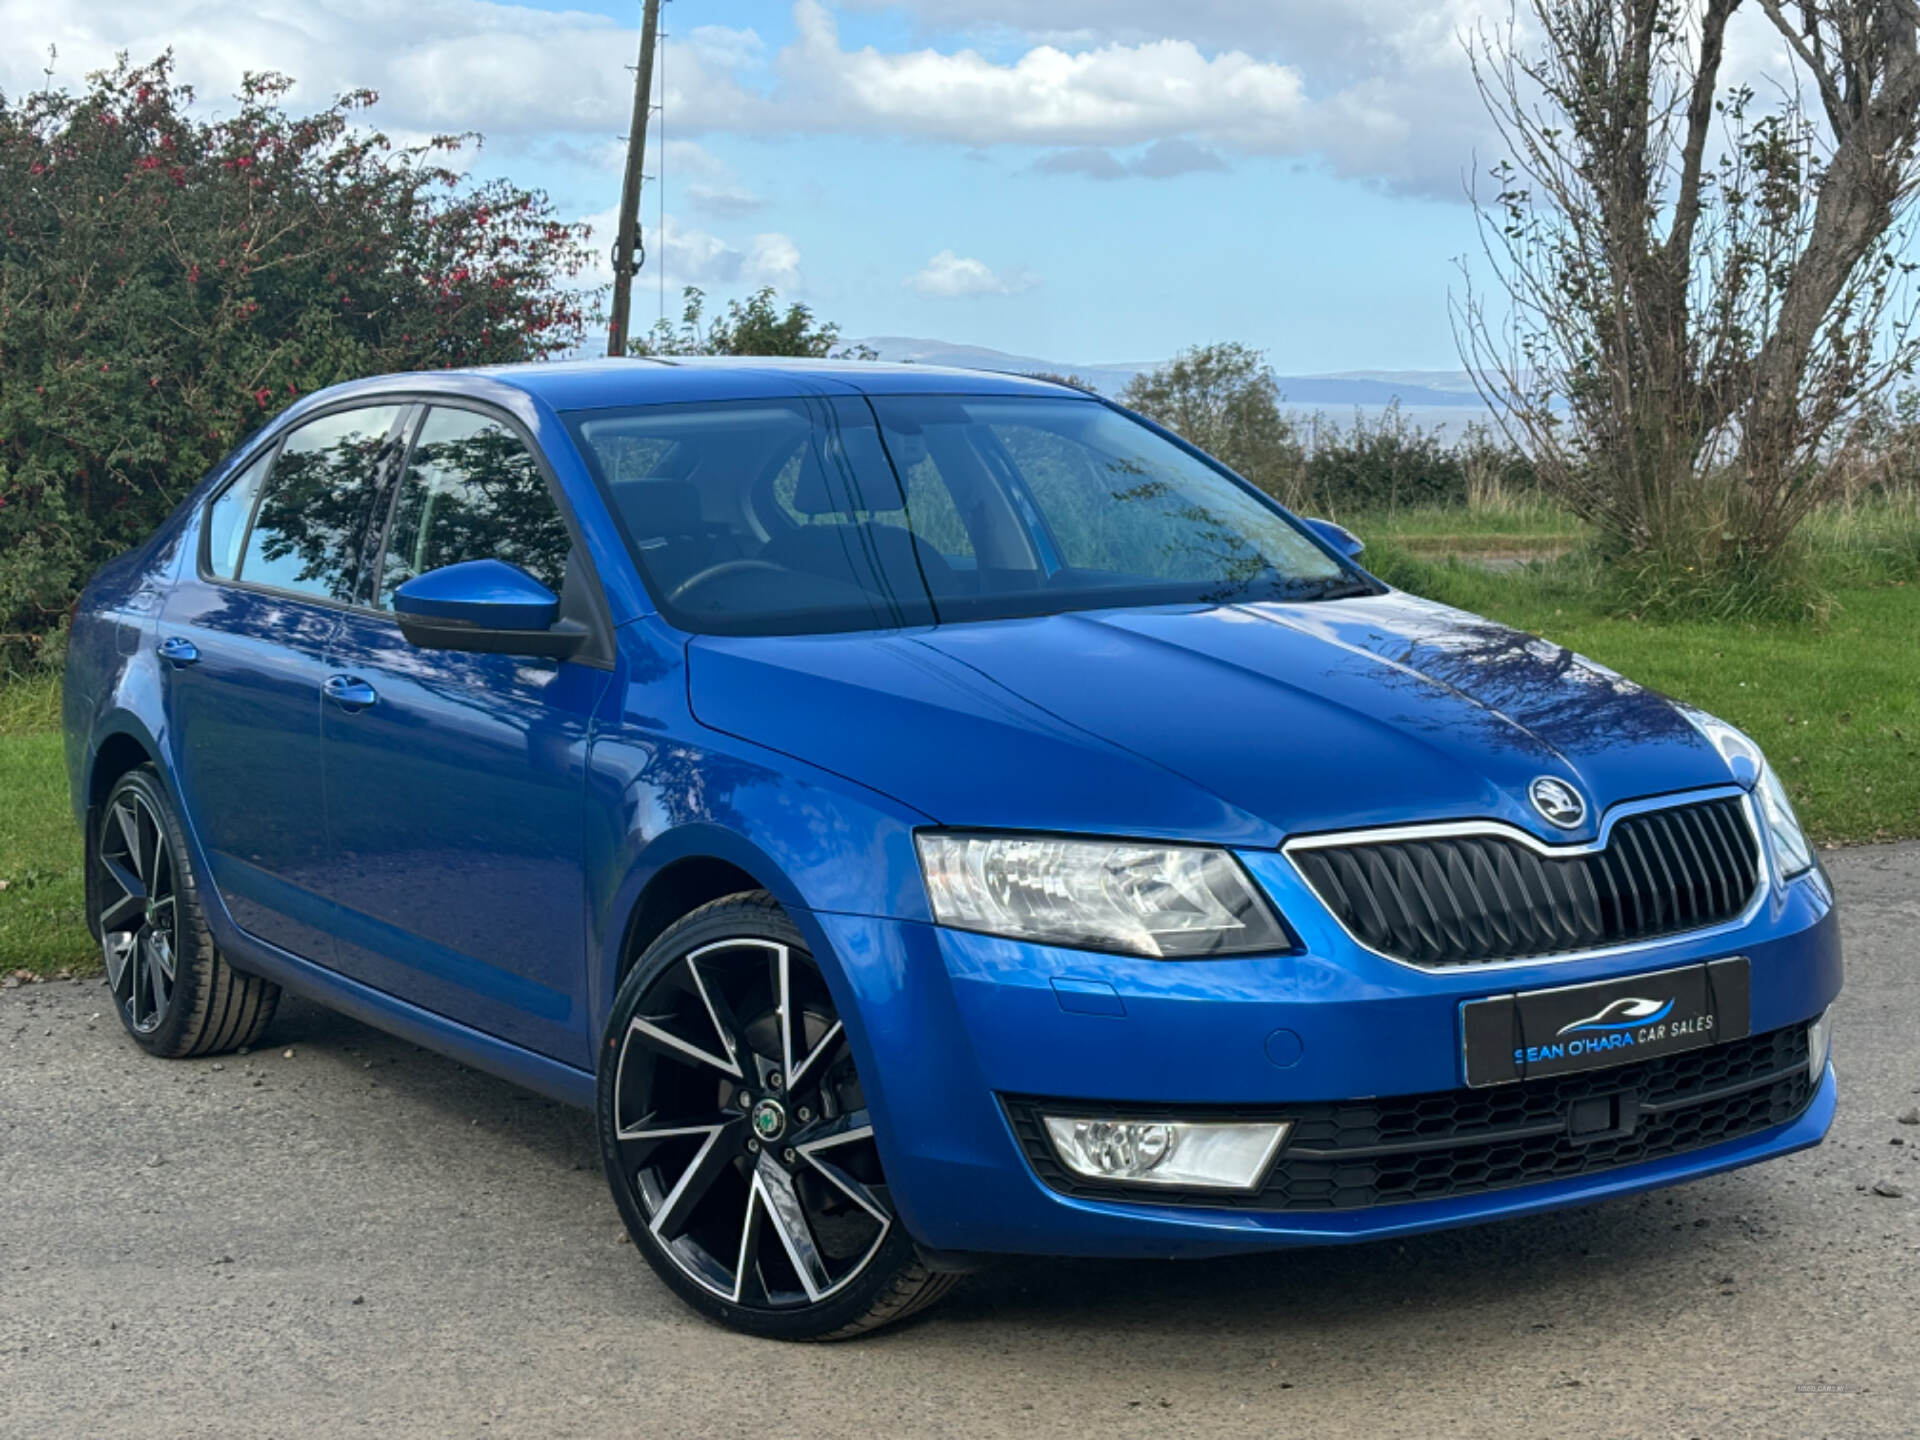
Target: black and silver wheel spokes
{"points": [[139, 916], [742, 1129]]}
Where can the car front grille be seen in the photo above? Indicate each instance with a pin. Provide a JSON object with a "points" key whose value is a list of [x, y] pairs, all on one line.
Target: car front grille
{"points": [[1360, 1154], [1474, 899]]}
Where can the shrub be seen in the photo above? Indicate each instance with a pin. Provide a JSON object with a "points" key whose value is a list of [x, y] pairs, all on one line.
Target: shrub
{"points": [[168, 283]]}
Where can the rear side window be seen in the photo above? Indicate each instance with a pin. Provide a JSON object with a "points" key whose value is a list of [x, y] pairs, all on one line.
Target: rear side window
{"points": [[472, 491], [227, 518], [309, 530]]}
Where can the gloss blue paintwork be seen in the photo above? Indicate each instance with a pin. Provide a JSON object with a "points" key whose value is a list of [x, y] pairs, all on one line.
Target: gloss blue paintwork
{"points": [[458, 860], [486, 594]]}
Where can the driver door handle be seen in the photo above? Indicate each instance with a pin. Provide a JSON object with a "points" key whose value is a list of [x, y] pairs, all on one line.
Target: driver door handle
{"points": [[349, 692]]}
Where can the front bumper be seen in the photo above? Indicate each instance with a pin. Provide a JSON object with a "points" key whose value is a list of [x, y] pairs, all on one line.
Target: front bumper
{"points": [[947, 1024]]}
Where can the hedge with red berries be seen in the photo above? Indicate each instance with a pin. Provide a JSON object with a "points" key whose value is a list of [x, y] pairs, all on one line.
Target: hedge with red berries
{"points": [[169, 280]]}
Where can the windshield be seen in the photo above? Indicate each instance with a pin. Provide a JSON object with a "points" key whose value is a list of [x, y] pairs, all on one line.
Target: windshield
{"points": [[809, 516]]}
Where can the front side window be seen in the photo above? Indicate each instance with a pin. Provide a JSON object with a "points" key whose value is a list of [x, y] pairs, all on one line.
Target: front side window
{"points": [[308, 533], [781, 517], [472, 492]]}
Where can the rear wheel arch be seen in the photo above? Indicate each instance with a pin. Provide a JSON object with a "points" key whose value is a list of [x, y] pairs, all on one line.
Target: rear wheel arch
{"points": [[114, 757]]}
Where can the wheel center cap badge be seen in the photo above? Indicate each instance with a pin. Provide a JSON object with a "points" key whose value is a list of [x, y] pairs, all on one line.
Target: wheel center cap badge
{"points": [[769, 1120], [1558, 802]]}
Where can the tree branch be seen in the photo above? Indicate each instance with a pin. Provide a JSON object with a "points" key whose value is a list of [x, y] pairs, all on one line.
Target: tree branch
{"points": [[1830, 97]]}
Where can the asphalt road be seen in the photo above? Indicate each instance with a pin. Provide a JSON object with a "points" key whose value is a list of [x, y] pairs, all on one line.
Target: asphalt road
{"points": [[360, 1237]]}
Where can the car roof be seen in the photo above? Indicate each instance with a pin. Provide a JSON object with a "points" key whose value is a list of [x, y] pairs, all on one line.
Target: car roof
{"points": [[601, 384]]}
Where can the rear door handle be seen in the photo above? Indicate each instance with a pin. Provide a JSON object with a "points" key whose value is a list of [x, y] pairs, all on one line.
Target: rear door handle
{"points": [[349, 692], [177, 652]]}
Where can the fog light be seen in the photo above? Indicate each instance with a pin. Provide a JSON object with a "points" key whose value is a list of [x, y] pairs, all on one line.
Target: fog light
{"points": [[1819, 1041], [1214, 1155]]}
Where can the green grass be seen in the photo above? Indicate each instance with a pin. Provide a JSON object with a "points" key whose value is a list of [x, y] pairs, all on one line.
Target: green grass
{"points": [[1529, 521], [43, 925]]}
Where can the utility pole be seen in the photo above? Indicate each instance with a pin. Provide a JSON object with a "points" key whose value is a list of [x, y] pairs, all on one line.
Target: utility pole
{"points": [[627, 242]]}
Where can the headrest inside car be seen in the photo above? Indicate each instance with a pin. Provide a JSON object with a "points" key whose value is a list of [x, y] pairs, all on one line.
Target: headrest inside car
{"points": [[814, 494]]}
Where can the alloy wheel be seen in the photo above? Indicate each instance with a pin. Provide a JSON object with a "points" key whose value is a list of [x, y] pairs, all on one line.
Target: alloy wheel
{"points": [[139, 911], [741, 1132]]}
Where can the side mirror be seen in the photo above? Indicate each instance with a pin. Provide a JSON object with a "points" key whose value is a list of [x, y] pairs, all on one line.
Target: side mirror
{"points": [[486, 606], [1338, 536]]}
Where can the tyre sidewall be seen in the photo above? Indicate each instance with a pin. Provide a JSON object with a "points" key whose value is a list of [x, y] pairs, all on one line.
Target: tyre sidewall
{"points": [[739, 917], [194, 951]]}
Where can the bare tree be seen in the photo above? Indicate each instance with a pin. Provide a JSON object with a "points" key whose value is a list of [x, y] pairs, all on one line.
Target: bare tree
{"points": [[1698, 292]]}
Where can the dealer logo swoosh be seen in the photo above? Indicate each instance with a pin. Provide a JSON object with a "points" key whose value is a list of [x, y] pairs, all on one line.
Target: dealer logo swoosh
{"points": [[1626, 1013]]}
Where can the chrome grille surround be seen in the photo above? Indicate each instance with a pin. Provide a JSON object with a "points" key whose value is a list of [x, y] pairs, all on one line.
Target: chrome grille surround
{"points": [[1448, 926]]}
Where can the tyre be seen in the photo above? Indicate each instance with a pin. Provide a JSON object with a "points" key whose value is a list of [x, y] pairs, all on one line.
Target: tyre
{"points": [[737, 1140], [176, 994]]}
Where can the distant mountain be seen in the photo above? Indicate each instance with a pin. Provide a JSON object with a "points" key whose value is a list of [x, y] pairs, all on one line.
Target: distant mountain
{"points": [[1108, 379], [1428, 397]]}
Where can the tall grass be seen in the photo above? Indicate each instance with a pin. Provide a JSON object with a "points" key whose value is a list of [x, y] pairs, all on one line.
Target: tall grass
{"points": [[29, 704]]}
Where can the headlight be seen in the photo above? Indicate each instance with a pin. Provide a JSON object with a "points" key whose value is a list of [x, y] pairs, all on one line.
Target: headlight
{"points": [[1790, 848], [1170, 902], [1792, 853]]}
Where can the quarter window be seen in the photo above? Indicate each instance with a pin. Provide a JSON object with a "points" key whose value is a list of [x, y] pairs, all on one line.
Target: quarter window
{"points": [[309, 531], [227, 518], [472, 492]]}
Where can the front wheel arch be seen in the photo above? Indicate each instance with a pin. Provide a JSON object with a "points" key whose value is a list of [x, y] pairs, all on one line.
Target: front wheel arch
{"points": [[717, 856]]}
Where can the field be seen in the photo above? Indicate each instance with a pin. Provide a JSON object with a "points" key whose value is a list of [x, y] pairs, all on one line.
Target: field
{"points": [[1836, 705]]}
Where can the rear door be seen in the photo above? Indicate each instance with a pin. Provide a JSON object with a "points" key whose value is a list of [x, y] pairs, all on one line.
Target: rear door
{"points": [[455, 783], [244, 634]]}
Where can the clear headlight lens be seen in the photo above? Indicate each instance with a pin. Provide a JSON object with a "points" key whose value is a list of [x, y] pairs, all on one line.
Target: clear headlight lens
{"points": [[1170, 902], [1791, 850], [1225, 1155], [1790, 847]]}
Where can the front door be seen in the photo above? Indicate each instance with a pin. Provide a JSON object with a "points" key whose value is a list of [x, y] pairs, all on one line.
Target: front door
{"points": [[456, 783]]}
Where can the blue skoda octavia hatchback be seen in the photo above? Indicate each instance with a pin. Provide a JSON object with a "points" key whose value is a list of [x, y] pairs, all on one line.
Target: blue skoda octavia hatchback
{"points": [[927, 816]]}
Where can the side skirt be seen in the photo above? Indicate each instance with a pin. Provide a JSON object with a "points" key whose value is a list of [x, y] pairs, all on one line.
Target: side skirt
{"points": [[373, 1007]]}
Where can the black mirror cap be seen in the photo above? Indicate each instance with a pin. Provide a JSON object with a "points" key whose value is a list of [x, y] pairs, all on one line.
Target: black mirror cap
{"points": [[559, 641]]}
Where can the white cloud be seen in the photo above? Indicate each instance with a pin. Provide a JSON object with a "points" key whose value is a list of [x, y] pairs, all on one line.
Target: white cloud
{"points": [[1112, 95], [949, 276], [1378, 89], [691, 256], [724, 46], [1162, 160], [725, 202], [774, 260], [708, 182], [503, 69], [1383, 89]]}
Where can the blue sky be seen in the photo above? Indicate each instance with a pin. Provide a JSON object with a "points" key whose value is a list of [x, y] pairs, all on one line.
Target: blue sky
{"points": [[1084, 180]]}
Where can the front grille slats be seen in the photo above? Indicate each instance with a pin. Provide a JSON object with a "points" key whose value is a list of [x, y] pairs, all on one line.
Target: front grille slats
{"points": [[1472, 899], [1351, 1155]]}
